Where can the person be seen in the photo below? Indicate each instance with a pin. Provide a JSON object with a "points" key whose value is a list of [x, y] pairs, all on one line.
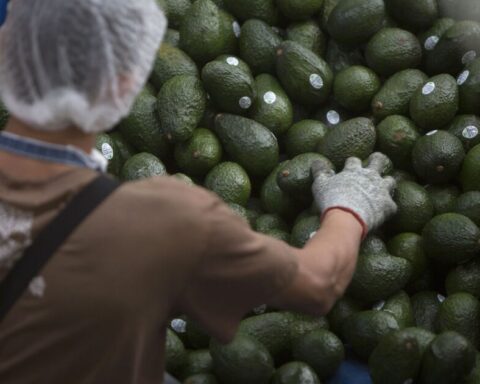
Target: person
{"points": [[97, 311]]}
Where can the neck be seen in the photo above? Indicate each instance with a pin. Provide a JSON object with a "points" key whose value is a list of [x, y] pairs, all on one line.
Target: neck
{"points": [[69, 136], [23, 168]]}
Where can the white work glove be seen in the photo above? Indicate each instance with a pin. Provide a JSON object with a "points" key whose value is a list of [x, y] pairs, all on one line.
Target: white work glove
{"points": [[358, 190]]}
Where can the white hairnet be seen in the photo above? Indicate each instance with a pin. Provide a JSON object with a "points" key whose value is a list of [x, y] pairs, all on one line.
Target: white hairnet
{"points": [[77, 62]]}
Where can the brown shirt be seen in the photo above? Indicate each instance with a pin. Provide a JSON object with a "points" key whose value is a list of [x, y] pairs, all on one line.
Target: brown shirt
{"points": [[97, 312]]}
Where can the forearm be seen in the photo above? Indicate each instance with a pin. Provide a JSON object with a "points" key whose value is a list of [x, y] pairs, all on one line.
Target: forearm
{"points": [[326, 265]]}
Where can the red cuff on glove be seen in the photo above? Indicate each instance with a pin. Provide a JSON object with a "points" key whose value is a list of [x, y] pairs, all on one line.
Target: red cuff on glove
{"points": [[354, 214]]}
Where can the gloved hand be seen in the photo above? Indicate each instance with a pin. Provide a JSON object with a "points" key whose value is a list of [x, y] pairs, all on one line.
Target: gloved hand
{"points": [[358, 190]]}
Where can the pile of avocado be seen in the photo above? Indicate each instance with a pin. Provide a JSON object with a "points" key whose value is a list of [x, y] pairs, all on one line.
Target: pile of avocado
{"points": [[246, 94]]}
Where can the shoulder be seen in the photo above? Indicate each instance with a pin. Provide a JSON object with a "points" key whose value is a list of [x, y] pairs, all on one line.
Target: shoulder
{"points": [[166, 193]]}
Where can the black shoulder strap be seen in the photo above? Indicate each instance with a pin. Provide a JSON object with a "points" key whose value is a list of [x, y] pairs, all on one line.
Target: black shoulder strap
{"points": [[50, 239]]}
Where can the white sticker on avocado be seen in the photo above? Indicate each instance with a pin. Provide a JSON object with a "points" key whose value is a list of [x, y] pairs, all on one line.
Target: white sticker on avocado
{"points": [[270, 97], [312, 234], [431, 133], [107, 151], [441, 298], [470, 132], [245, 102], [469, 57], [179, 325], [463, 77], [333, 117], [232, 61], [428, 88], [316, 81], [236, 29], [260, 309], [378, 306], [431, 42]]}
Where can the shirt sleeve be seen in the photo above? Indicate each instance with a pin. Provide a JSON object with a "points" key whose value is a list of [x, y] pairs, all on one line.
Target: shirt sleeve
{"points": [[239, 270]]}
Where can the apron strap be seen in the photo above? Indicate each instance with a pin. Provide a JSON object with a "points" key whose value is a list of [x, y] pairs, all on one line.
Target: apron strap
{"points": [[51, 238]]}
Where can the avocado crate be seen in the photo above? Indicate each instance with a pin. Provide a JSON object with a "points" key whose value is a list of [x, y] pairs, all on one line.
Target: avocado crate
{"points": [[246, 95]]}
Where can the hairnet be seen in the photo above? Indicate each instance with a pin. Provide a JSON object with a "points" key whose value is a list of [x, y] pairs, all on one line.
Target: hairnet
{"points": [[80, 63]]}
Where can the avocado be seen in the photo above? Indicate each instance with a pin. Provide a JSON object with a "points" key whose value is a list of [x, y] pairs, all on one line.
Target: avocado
{"points": [[171, 62], [430, 38], [322, 350], [467, 129], [296, 178], [435, 104], [364, 330], [392, 50], [448, 360], [302, 325], [196, 337], [451, 238], [469, 88], [199, 154], [342, 309], [308, 34], [353, 22], [460, 312], [295, 372], [172, 38], [443, 197], [373, 245], [396, 359], [240, 211], [397, 136], [142, 165], [109, 150], [201, 378], [272, 330], [230, 84], [468, 205], [305, 76], [465, 278], [458, 46], [339, 58], [258, 45], [181, 105], [175, 353], [141, 128], [207, 32], [272, 107], [415, 15], [176, 10], [264, 10], [274, 200], [125, 150], [470, 173], [355, 87], [304, 137], [415, 209], [400, 306], [197, 362], [437, 157], [270, 221], [426, 305], [249, 143], [299, 9], [230, 182], [303, 230], [395, 95], [244, 360], [410, 247], [379, 276], [355, 137]]}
